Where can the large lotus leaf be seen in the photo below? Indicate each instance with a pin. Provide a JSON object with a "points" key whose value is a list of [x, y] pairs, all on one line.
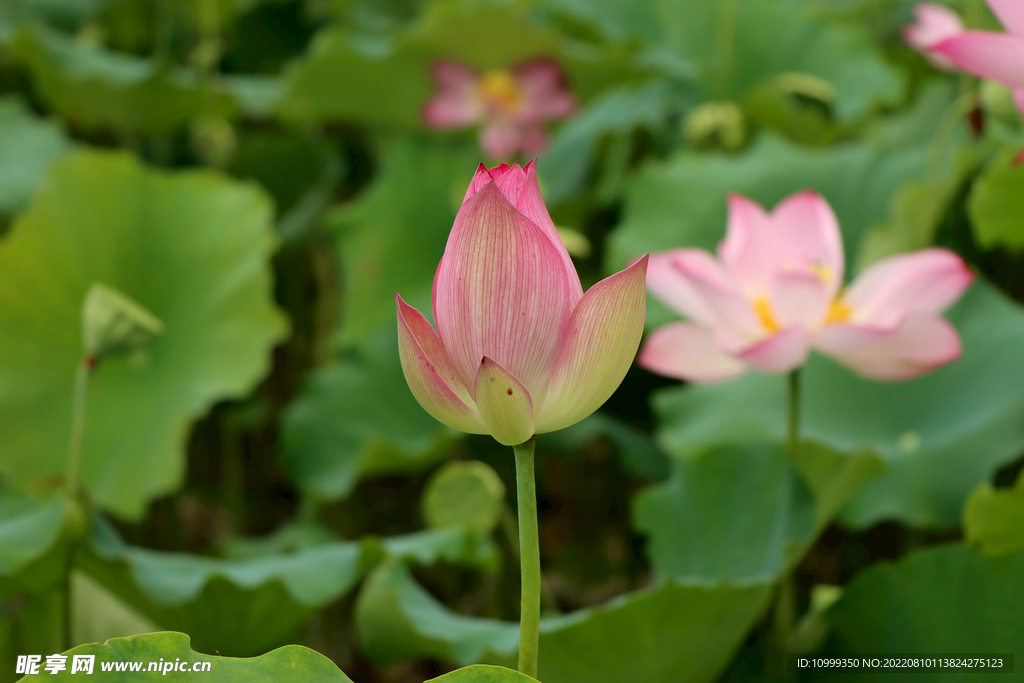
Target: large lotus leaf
{"points": [[949, 599], [122, 659], [357, 417], [568, 160], [231, 606], [191, 247], [738, 45], [32, 566], [736, 512], [29, 528], [742, 512], [98, 615], [671, 632], [460, 545], [996, 204], [483, 673], [345, 75], [392, 238], [941, 435], [681, 202], [456, 545], [29, 144], [96, 88], [242, 606], [994, 518]]}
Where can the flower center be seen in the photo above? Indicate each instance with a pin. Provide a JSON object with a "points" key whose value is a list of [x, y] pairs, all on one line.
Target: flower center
{"points": [[763, 308], [838, 312], [499, 91]]}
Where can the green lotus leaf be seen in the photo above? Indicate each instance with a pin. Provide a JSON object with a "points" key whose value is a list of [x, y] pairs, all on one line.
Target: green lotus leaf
{"points": [[96, 88], [345, 75], [33, 551], [466, 494], [949, 599], [392, 237], [231, 606], [742, 512], [245, 605], [29, 528], [994, 518], [29, 144], [456, 545], [670, 632], [114, 661], [842, 55], [356, 417], [940, 435], [191, 247], [483, 673], [996, 204]]}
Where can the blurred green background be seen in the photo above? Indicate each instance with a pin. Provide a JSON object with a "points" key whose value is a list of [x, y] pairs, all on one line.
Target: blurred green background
{"points": [[256, 174]]}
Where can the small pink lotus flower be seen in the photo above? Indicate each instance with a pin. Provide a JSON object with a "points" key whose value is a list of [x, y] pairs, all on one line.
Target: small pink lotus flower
{"points": [[995, 56], [519, 348], [933, 24], [511, 104], [775, 292]]}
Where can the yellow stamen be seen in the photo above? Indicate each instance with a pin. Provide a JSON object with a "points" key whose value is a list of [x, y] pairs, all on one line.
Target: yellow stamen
{"points": [[498, 88], [763, 308], [823, 272], [838, 312]]}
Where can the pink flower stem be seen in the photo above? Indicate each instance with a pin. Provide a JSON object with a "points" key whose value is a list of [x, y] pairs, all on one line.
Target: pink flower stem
{"points": [[529, 559]]}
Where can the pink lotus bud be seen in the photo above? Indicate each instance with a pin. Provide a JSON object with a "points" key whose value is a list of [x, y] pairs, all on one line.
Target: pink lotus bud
{"points": [[519, 348], [775, 291], [933, 24], [510, 104], [995, 56]]}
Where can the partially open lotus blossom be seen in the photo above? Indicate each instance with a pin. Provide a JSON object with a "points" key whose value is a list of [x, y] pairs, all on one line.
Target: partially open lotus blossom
{"points": [[996, 56], [776, 291], [519, 348], [933, 24], [510, 105]]}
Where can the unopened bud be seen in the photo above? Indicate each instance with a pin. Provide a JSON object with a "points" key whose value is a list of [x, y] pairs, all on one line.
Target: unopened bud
{"points": [[113, 324], [716, 124]]}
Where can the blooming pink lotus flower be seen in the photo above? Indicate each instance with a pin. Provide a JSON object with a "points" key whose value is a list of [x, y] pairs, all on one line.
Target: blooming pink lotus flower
{"points": [[519, 348], [775, 291], [511, 104], [995, 56], [933, 24]]}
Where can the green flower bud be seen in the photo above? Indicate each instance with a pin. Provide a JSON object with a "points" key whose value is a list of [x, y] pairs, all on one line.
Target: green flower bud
{"points": [[113, 324]]}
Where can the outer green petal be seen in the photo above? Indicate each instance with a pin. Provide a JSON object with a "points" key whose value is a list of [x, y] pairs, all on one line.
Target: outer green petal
{"points": [[504, 403], [423, 357], [603, 336]]}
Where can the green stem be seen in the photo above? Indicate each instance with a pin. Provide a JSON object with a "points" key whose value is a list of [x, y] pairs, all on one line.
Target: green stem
{"points": [[793, 436], [81, 393], [784, 610], [529, 559], [725, 36], [509, 526]]}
